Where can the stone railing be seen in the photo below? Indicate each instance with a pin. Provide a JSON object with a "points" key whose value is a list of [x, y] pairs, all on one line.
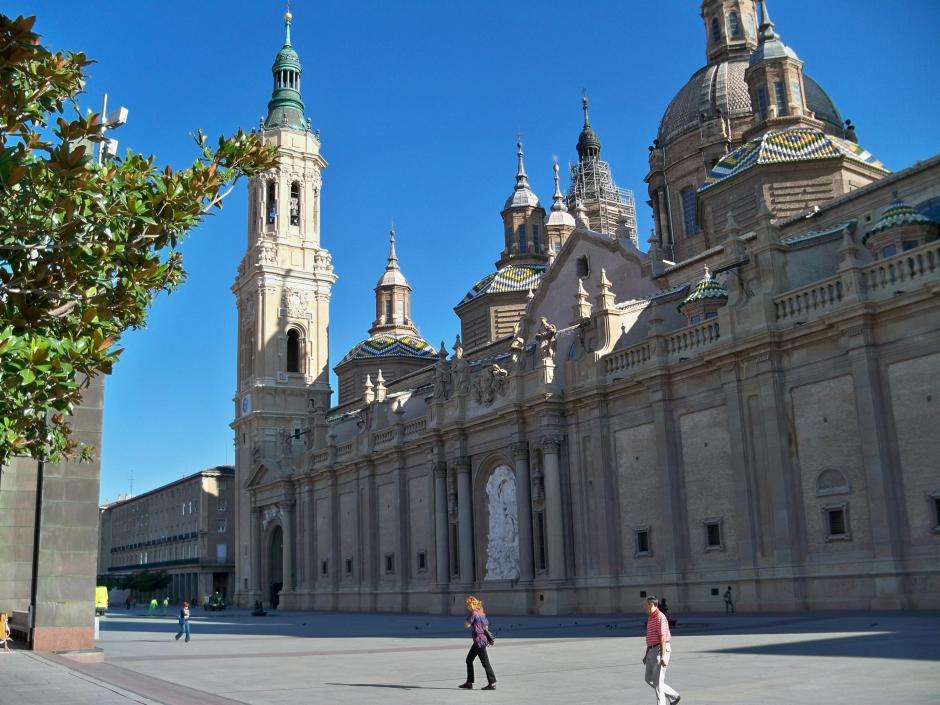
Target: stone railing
{"points": [[902, 269], [321, 456], [628, 358], [344, 449], [383, 436], [692, 339], [808, 300], [416, 426]]}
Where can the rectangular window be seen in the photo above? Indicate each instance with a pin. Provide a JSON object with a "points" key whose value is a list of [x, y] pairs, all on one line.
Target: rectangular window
{"points": [[796, 95], [183, 513], [388, 310], [324, 567], [220, 526], [909, 245], [523, 242], [535, 238], [220, 505], [734, 25], [221, 486], [936, 512], [780, 97], [349, 566], [400, 311], [422, 561], [542, 555], [221, 552], [712, 534], [389, 563], [189, 506], [642, 536], [688, 211], [836, 522], [762, 102], [454, 551], [889, 251]]}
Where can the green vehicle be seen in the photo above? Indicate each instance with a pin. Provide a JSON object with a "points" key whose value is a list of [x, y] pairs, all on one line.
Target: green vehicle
{"points": [[216, 602]]}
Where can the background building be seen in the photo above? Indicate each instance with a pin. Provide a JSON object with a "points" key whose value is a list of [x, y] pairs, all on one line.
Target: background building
{"points": [[184, 528]]}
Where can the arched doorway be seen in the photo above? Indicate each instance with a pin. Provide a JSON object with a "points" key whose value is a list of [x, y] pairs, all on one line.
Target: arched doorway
{"points": [[275, 565]]}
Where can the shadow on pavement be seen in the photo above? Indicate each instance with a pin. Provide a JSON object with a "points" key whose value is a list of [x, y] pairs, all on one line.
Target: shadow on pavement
{"points": [[890, 645], [387, 685]]}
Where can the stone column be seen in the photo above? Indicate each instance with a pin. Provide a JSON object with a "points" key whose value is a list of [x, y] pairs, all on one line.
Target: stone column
{"points": [[254, 552], [465, 518], [287, 523], [442, 552], [554, 519], [520, 453]]}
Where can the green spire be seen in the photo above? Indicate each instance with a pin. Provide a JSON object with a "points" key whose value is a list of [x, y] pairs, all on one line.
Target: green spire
{"points": [[286, 108]]}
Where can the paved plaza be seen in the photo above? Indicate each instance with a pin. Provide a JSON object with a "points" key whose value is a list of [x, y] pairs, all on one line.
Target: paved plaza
{"points": [[861, 658]]}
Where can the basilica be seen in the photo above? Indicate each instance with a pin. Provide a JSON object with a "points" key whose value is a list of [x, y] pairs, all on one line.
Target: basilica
{"points": [[751, 401]]}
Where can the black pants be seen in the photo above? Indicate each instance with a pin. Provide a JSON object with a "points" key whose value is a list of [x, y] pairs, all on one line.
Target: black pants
{"points": [[477, 650]]}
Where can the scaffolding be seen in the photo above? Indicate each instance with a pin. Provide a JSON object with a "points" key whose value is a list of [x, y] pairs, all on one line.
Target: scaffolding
{"points": [[610, 209]]}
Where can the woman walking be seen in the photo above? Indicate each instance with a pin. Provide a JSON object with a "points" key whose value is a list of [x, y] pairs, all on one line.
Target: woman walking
{"points": [[478, 625], [184, 621]]}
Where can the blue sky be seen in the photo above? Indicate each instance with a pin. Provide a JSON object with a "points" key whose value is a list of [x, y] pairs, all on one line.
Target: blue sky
{"points": [[418, 104]]}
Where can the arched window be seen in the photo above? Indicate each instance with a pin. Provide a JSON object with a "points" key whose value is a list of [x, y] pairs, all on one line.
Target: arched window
{"points": [[293, 350], [734, 26], [780, 98], [762, 102], [831, 481], [523, 244], [582, 267], [295, 203], [716, 30], [271, 203], [536, 243]]}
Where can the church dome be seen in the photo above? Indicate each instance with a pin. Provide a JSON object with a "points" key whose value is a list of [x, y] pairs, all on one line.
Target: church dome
{"points": [[899, 214], [512, 277], [387, 345], [721, 86], [796, 144]]}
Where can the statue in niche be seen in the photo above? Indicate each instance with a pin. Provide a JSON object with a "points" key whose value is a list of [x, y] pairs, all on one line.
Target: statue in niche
{"points": [[460, 370], [537, 481], [502, 548], [546, 339], [516, 349], [491, 383]]}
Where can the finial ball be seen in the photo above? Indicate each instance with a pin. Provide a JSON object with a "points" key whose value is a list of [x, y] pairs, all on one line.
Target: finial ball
{"points": [[288, 16]]}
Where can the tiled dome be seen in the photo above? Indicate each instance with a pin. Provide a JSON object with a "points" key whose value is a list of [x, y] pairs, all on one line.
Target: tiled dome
{"points": [[388, 345], [792, 145], [512, 277], [897, 214], [707, 288]]}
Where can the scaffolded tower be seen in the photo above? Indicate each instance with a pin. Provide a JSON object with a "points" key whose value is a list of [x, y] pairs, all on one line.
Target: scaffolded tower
{"points": [[610, 209]]}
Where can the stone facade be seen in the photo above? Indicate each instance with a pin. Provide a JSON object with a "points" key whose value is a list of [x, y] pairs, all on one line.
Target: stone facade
{"points": [[753, 410], [185, 529]]}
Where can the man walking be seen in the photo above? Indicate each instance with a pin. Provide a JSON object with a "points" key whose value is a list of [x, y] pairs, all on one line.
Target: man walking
{"points": [[184, 622], [658, 653], [729, 603]]}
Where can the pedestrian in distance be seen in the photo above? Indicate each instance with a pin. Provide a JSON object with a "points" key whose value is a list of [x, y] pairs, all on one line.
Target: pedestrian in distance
{"points": [[729, 602], [166, 603], [184, 622], [479, 627], [152, 612], [5, 631], [127, 604], [658, 653]]}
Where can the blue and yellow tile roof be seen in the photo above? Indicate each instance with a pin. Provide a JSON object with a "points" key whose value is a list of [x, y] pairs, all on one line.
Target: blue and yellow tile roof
{"points": [[388, 345], [512, 277], [707, 288], [794, 145]]}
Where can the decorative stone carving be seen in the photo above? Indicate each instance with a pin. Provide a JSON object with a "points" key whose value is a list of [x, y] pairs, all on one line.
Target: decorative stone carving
{"points": [[546, 339], [502, 547], [492, 382], [267, 254], [520, 451], [270, 514], [295, 301], [442, 376]]}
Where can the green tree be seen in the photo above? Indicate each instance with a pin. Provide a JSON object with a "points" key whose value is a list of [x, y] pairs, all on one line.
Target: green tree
{"points": [[84, 248]]}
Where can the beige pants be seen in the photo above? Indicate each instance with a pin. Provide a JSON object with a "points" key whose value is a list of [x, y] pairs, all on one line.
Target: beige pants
{"points": [[656, 675]]}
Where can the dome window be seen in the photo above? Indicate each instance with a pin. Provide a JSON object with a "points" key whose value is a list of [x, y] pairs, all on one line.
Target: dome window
{"points": [[762, 102], [734, 26], [716, 30], [688, 211], [780, 97], [523, 244], [295, 203], [751, 25], [796, 94]]}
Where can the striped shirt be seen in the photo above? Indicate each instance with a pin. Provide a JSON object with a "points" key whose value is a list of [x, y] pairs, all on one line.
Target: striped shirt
{"points": [[478, 625], [657, 629]]}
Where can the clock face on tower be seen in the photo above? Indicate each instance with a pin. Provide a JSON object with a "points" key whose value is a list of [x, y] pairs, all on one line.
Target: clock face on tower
{"points": [[246, 404]]}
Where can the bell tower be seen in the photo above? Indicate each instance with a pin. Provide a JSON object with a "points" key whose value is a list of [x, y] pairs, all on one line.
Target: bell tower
{"points": [[282, 293]]}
